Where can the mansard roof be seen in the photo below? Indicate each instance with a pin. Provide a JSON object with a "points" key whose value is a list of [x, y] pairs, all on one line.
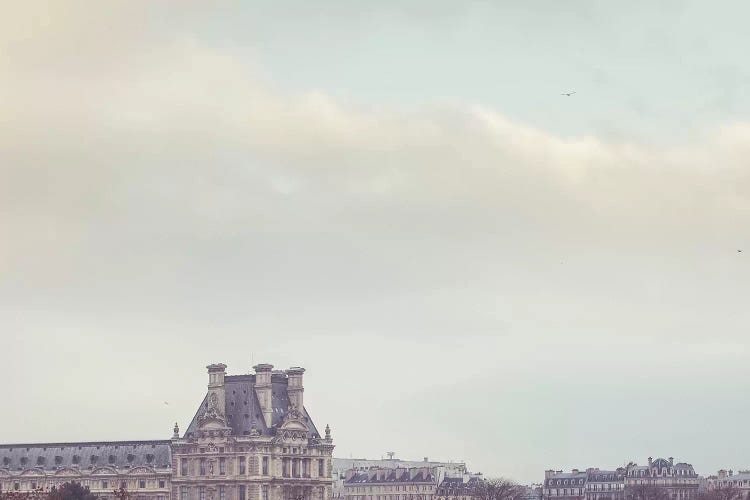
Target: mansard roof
{"points": [[85, 455], [391, 476], [243, 410]]}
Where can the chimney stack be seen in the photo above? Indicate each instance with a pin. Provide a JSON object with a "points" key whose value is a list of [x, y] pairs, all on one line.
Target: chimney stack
{"points": [[671, 460], [216, 392], [650, 461], [294, 388], [264, 391]]}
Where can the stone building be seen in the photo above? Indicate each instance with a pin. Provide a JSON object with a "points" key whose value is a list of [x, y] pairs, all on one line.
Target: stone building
{"points": [[605, 484], [250, 439], [679, 481], [141, 467], [464, 487], [564, 485], [342, 465], [379, 483], [632, 482], [729, 480]]}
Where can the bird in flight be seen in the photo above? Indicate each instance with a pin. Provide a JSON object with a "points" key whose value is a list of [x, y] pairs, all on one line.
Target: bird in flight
{"points": [[739, 250], [568, 94]]}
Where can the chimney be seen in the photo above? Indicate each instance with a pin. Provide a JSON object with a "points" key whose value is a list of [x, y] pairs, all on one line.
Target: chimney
{"points": [[294, 387], [650, 461], [216, 394], [425, 459], [264, 391], [574, 471], [731, 472], [548, 473], [671, 460]]}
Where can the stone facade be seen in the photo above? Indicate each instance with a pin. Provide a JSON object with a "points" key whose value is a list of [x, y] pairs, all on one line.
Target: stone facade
{"points": [[729, 481], [379, 483], [250, 439], [660, 477], [141, 467], [679, 481]]}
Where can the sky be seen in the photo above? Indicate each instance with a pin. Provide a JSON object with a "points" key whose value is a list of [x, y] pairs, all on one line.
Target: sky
{"points": [[395, 196]]}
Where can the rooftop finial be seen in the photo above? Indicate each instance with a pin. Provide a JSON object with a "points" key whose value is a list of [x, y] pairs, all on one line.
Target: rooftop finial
{"points": [[328, 432], [176, 431]]}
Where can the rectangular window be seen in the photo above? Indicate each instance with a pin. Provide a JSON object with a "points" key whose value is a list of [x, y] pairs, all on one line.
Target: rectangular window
{"points": [[222, 493], [242, 492], [105, 484], [183, 493], [295, 467], [203, 468], [222, 466], [320, 467], [161, 483], [141, 483], [183, 467], [264, 490], [265, 466], [305, 472], [285, 467], [242, 465], [123, 485], [202, 493]]}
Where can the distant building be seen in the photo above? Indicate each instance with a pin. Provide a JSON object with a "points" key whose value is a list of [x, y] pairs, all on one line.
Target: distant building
{"points": [[251, 439], [605, 484], [144, 468], [679, 480], [342, 465], [464, 487], [380, 483], [728, 479], [561, 485]]}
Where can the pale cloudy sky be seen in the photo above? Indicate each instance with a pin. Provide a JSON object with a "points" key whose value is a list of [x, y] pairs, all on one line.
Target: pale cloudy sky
{"points": [[395, 196]]}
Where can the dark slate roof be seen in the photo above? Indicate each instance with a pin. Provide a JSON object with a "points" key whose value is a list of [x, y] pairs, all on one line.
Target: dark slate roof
{"points": [[605, 475], [391, 476], [243, 408], [453, 485], [87, 455]]}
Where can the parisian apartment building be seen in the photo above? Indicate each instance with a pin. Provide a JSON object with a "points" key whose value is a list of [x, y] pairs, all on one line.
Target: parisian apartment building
{"points": [[251, 439], [678, 480], [437, 482], [729, 480]]}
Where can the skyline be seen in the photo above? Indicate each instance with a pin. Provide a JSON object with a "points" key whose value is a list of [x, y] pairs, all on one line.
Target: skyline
{"points": [[396, 197]]}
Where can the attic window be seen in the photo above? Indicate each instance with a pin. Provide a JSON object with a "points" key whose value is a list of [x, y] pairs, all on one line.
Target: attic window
{"points": [[76, 459], [24, 460], [40, 460], [112, 459], [93, 459], [58, 460], [149, 458], [131, 458], [6, 461]]}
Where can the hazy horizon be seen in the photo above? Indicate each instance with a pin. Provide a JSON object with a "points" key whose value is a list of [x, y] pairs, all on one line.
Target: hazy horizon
{"points": [[395, 196]]}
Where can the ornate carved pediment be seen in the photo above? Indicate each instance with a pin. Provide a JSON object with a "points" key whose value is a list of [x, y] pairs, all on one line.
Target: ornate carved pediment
{"points": [[37, 471], [104, 470], [141, 470], [67, 472]]}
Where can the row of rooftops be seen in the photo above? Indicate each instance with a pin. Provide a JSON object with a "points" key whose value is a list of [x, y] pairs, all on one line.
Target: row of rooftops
{"points": [[383, 475], [86, 455], [658, 467]]}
